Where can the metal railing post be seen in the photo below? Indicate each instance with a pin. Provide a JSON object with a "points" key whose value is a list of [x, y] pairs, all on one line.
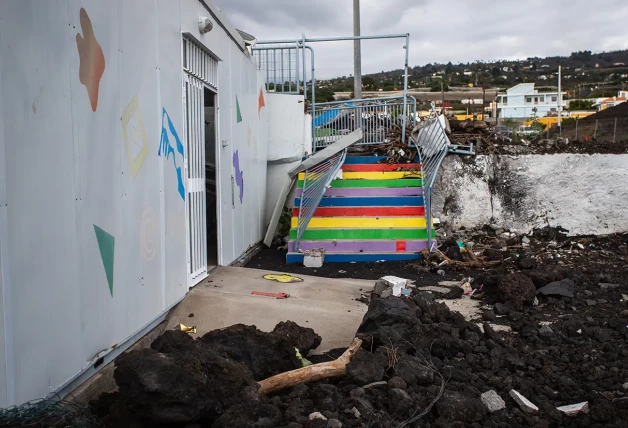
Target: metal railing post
{"points": [[595, 131], [615, 130]]}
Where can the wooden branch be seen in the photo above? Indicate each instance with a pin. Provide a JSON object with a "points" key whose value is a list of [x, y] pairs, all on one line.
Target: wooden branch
{"points": [[312, 373]]}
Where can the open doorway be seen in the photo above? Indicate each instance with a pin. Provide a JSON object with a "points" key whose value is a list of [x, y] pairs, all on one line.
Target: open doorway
{"points": [[210, 176]]}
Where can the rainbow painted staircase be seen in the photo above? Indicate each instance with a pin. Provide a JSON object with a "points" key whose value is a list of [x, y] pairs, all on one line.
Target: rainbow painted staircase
{"points": [[375, 212]]}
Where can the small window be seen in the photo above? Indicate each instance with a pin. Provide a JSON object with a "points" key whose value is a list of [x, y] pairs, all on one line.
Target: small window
{"points": [[536, 100], [528, 99], [505, 100], [542, 99], [553, 109], [554, 99]]}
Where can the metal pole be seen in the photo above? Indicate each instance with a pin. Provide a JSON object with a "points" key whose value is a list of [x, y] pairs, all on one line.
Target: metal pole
{"points": [[304, 70], [336, 39], [560, 100], [576, 128], [595, 131], [405, 89], [615, 130], [357, 55]]}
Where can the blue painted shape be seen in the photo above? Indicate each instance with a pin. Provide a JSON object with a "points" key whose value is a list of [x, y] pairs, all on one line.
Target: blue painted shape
{"points": [[397, 201], [166, 149], [238, 174], [357, 257], [327, 116]]}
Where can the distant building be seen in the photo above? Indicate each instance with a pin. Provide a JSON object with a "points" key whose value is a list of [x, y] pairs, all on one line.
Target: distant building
{"points": [[605, 103], [520, 101]]}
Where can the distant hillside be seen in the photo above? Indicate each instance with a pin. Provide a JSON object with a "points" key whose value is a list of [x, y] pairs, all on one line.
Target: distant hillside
{"points": [[585, 73]]}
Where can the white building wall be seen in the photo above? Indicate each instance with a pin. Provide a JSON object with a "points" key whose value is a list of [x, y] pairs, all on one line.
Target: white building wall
{"points": [[584, 194], [67, 172], [289, 138]]}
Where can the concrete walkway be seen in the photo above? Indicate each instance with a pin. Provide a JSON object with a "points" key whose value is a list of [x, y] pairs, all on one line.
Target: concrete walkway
{"points": [[324, 304]]}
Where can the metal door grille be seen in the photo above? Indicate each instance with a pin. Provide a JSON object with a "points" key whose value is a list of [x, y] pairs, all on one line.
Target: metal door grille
{"points": [[199, 63], [195, 173]]}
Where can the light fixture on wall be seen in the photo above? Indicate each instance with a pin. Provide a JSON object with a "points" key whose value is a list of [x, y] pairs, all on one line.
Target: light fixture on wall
{"points": [[204, 24]]}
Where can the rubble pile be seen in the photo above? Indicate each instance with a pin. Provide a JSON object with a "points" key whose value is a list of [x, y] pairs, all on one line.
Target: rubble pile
{"points": [[420, 364]]}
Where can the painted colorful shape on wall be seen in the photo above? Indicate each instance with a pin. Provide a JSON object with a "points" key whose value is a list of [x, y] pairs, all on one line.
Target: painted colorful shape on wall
{"points": [[238, 174], [106, 245], [134, 133], [260, 102], [91, 58], [238, 113], [166, 149]]}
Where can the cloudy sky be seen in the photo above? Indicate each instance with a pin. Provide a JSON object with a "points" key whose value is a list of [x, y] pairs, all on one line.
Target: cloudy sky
{"points": [[440, 31]]}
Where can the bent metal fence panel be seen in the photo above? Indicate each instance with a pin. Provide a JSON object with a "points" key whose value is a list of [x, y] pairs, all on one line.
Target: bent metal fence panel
{"points": [[432, 145], [315, 183]]}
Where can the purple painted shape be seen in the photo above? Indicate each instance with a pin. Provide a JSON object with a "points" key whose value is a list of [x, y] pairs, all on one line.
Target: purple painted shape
{"points": [[365, 192], [238, 174], [358, 246]]}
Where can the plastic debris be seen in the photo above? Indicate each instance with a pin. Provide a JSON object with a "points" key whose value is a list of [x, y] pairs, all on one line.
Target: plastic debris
{"points": [[187, 329], [314, 258], [574, 409]]}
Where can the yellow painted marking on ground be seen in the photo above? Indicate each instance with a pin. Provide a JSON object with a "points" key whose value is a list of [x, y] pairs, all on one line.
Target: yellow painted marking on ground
{"points": [[285, 277]]}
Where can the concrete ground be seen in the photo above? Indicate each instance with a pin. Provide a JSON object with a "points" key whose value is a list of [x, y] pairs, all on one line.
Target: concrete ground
{"points": [[224, 298]]}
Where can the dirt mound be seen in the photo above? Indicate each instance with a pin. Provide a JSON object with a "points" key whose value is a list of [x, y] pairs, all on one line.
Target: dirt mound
{"points": [[302, 338], [516, 290], [420, 363], [264, 354], [619, 111]]}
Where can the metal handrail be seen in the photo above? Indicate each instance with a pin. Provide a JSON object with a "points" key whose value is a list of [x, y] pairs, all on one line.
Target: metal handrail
{"points": [[375, 116]]}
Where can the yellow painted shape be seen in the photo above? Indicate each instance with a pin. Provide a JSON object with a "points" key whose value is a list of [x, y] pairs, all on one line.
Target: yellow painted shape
{"points": [[362, 222], [134, 134], [374, 175], [285, 278]]}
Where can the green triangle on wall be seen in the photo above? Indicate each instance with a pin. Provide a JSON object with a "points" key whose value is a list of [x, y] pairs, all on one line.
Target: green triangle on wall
{"points": [[106, 244], [239, 115]]}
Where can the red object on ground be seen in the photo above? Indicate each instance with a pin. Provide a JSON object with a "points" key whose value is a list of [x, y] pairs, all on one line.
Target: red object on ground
{"points": [[275, 295]]}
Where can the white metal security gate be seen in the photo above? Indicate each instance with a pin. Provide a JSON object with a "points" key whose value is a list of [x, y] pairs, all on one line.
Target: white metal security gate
{"points": [[201, 72]]}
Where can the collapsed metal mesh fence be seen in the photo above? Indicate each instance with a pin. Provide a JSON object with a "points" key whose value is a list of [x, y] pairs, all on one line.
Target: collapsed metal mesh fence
{"points": [[315, 183], [432, 145]]}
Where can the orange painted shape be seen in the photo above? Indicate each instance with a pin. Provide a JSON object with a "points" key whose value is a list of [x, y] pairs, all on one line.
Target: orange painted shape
{"points": [[91, 58], [260, 102]]}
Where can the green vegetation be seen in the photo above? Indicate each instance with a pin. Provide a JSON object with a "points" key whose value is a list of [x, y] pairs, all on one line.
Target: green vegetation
{"points": [[437, 85], [580, 105]]}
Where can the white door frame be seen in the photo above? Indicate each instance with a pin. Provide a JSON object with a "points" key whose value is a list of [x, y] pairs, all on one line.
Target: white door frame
{"points": [[200, 72]]}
